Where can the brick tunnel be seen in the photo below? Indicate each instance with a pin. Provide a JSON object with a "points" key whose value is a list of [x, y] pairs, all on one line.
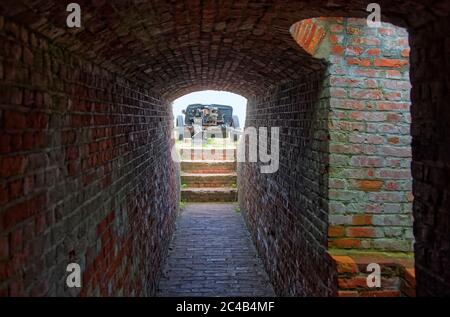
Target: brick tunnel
{"points": [[86, 132]]}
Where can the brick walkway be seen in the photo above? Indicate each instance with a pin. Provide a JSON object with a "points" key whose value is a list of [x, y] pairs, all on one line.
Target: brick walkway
{"points": [[212, 255]]}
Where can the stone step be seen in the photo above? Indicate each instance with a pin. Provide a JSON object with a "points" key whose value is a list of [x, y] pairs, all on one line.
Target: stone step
{"points": [[209, 194], [205, 154], [208, 167], [193, 180]]}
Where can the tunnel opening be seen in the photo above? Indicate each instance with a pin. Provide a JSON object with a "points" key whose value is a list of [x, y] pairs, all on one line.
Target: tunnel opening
{"points": [[207, 126]]}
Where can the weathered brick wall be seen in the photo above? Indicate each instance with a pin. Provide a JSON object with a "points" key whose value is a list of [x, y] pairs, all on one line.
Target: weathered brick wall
{"points": [[370, 180], [287, 211], [430, 69], [86, 174]]}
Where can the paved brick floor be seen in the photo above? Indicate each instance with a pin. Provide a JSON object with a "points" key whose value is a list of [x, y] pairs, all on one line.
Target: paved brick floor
{"points": [[212, 255]]}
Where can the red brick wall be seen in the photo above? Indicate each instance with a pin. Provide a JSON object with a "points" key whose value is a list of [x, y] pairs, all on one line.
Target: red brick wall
{"points": [[86, 174]]}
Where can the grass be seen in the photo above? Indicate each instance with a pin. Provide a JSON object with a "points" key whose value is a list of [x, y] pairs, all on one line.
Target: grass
{"points": [[237, 209], [183, 186], [208, 142], [182, 204]]}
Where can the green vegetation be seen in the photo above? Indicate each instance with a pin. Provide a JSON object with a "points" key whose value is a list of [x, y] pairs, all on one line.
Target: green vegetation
{"points": [[182, 204]]}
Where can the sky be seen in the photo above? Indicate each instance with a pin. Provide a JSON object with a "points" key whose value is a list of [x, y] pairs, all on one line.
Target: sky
{"points": [[238, 102]]}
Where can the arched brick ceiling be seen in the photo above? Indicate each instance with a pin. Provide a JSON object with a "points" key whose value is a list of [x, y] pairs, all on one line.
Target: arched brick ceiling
{"points": [[177, 47]]}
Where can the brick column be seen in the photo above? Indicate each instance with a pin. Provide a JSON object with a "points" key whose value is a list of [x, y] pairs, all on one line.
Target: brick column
{"points": [[369, 163]]}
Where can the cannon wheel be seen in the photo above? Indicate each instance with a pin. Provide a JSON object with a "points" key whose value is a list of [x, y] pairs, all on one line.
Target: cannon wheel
{"points": [[180, 126], [235, 127]]}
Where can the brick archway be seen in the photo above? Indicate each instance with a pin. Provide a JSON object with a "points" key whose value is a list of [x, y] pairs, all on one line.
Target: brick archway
{"points": [[78, 107]]}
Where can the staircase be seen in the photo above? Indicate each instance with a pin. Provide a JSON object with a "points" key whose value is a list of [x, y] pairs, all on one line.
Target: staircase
{"points": [[208, 180]]}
